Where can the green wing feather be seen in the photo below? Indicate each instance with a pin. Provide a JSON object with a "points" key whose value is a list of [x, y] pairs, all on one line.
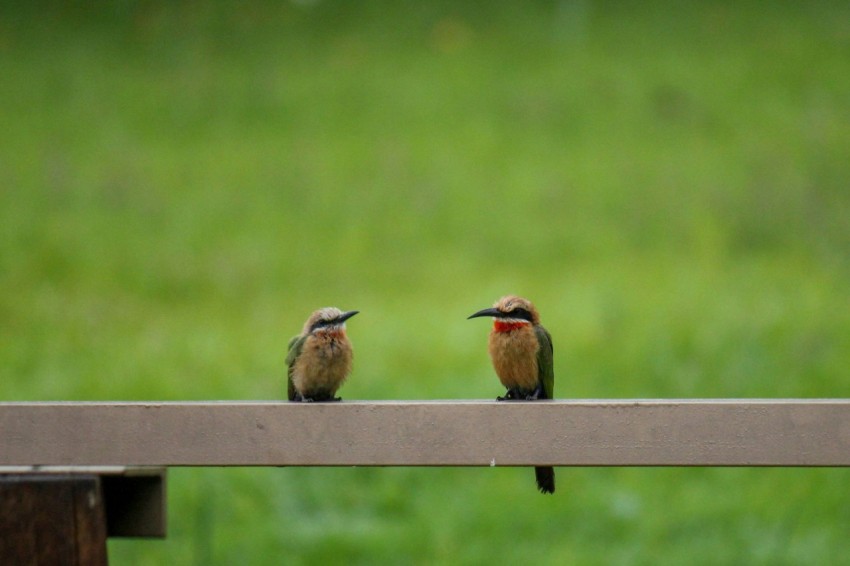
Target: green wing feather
{"points": [[545, 361], [293, 351]]}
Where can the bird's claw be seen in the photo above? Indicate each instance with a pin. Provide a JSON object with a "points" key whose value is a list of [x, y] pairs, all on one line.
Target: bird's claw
{"points": [[510, 395], [299, 398], [535, 395], [516, 395]]}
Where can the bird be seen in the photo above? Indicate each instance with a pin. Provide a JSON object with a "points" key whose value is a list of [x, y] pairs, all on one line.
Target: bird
{"points": [[523, 357], [320, 358]]}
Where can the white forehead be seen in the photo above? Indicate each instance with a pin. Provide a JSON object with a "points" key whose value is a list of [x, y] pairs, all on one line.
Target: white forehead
{"points": [[329, 313], [510, 301]]}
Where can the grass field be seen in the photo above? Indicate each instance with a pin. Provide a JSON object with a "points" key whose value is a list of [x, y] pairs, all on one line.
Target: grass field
{"points": [[182, 183]]}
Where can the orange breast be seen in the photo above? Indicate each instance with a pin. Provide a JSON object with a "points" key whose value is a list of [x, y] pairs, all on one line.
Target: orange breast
{"points": [[324, 363], [514, 356]]}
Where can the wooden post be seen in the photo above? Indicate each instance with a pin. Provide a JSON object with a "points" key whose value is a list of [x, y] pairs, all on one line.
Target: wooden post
{"points": [[52, 519]]}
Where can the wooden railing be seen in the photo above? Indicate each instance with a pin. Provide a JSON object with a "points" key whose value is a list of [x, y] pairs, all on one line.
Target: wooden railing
{"points": [[117, 452]]}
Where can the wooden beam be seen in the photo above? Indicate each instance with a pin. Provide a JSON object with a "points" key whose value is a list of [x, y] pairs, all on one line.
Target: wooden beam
{"points": [[52, 519], [133, 497], [783, 432], [135, 503]]}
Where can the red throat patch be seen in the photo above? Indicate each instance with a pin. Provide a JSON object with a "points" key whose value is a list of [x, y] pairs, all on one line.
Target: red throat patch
{"points": [[336, 333], [502, 326]]}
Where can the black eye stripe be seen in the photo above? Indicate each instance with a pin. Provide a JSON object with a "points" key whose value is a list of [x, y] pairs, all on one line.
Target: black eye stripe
{"points": [[520, 313], [323, 323]]}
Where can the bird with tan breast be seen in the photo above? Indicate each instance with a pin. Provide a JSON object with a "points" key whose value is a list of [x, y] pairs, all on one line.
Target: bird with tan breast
{"points": [[522, 355], [320, 358]]}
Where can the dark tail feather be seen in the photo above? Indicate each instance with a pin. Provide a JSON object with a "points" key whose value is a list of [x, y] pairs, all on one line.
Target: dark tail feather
{"points": [[545, 479]]}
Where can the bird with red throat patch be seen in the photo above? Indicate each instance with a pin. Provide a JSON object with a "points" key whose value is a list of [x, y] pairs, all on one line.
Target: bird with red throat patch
{"points": [[319, 359], [522, 355]]}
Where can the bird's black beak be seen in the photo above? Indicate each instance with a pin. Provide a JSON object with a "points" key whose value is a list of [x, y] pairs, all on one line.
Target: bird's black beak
{"points": [[345, 316], [486, 312]]}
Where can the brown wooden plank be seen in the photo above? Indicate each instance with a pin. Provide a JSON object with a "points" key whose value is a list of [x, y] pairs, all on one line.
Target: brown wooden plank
{"points": [[51, 520], [90, 522], [785, 432], [134, 497]]}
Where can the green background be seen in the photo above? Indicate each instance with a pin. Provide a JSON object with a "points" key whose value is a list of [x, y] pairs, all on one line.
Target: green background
{"points": [[181, 184]]}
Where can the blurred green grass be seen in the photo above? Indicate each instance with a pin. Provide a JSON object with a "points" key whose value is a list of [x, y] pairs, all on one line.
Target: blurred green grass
{"points": [[182, 183]]}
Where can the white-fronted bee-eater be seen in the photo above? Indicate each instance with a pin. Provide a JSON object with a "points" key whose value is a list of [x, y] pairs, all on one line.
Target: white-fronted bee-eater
{"points": [[522, 355], [320, 358]]}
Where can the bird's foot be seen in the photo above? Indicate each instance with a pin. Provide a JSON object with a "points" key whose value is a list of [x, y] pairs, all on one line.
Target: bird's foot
{"points": [[536, 394], [319, 399], [510, 395]]}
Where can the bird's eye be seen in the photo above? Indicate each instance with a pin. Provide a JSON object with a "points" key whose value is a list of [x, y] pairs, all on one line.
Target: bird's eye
{"points": [[521, 313]]}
